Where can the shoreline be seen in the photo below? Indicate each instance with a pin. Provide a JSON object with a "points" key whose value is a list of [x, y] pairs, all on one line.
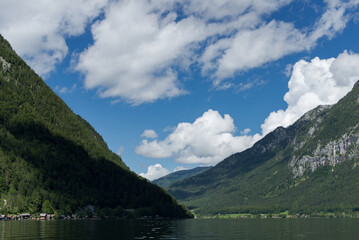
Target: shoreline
{"points": [[277, 216]]}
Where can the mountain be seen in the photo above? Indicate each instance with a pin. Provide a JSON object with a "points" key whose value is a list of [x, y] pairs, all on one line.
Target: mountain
{"points": [[309, 166], [167, 180], [52, 159]]}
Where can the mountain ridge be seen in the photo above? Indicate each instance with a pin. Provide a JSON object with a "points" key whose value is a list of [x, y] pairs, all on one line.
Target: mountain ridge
{"points": [[284, 171], [167, 180], [53, 160]]}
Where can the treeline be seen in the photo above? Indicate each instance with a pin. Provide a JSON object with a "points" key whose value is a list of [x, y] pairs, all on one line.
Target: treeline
{"points": [[51, 160], [40, 171], [329, 190], [261, 179]]}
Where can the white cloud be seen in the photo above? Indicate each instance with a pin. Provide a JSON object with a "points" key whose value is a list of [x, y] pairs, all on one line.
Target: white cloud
{"points": [[149, 133], [120, 151], [65, 90], [246, 131], [140, 45], [215, 9], [208, 140], [134, 51], [179, 168], [154, 172], [244, 86], [236, 13], [61, 90], [345, 69], [318, 82], [288, 70], [252, 48], [333, 20], [37, 29]]}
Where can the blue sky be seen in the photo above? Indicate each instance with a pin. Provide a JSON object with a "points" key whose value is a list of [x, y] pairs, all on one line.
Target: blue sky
{"points": [[178, 84]]}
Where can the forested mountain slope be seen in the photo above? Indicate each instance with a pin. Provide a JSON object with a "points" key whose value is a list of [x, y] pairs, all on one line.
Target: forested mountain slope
{"points": [[167, 180], [49, 154], [309, 166]]}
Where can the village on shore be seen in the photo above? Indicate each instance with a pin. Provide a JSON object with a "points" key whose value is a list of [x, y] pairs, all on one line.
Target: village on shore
{"points": [[129, 214], [45, 216], [90, 215]]}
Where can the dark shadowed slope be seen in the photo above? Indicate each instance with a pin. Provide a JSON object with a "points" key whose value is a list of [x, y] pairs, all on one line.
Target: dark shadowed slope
{"points": [[51, 156]]}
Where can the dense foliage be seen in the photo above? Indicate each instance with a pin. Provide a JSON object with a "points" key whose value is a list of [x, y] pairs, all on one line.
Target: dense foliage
{"points": [[53, 160], [260, 179]]}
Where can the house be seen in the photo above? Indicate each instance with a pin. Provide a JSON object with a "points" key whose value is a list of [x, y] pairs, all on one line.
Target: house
{"points": [[43, 216], [24, 216]]}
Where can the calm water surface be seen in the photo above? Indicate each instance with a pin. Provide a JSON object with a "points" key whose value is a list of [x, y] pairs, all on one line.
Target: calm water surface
{"points": [[328, 229]]}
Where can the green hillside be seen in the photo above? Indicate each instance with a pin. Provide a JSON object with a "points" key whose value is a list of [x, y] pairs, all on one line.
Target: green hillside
{"points": [[167, 180], [311, 166], [52, 158]]}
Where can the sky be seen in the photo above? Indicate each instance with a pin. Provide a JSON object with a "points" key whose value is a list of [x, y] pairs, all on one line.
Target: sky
{"points": [[173, 85]]}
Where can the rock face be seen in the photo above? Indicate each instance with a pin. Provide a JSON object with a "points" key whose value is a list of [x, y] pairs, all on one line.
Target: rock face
{"points": [[333, 153], [5, 65], [327, 150]]}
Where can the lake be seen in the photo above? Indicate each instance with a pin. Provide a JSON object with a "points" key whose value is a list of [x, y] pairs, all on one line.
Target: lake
{"points": [[183, 229]]}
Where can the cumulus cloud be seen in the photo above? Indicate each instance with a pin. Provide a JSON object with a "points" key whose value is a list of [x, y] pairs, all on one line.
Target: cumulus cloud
{"points": [[320, 81], [154, 172], [37, 29], [134, 50], [208, 140], [140, 45], [345, 69], [252, 47], [149, 133]]}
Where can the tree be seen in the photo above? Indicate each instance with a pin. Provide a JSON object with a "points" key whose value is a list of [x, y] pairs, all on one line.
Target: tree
{"points": [[47, 207]]}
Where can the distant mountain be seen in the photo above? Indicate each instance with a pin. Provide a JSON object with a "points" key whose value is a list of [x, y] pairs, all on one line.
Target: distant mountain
{"points": [[312, 165], [53, 160], [167, 180]]}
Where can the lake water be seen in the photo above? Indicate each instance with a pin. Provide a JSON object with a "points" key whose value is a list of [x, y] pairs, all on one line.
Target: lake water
{"points": [[183, 229]]}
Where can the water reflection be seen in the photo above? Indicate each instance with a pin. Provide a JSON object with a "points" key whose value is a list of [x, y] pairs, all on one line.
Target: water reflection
{"points": [[183, 229], [330, 229]]}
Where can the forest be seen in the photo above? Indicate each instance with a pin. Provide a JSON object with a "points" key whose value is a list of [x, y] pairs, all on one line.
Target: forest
{"points": [[308, 167], [52, 160]]}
